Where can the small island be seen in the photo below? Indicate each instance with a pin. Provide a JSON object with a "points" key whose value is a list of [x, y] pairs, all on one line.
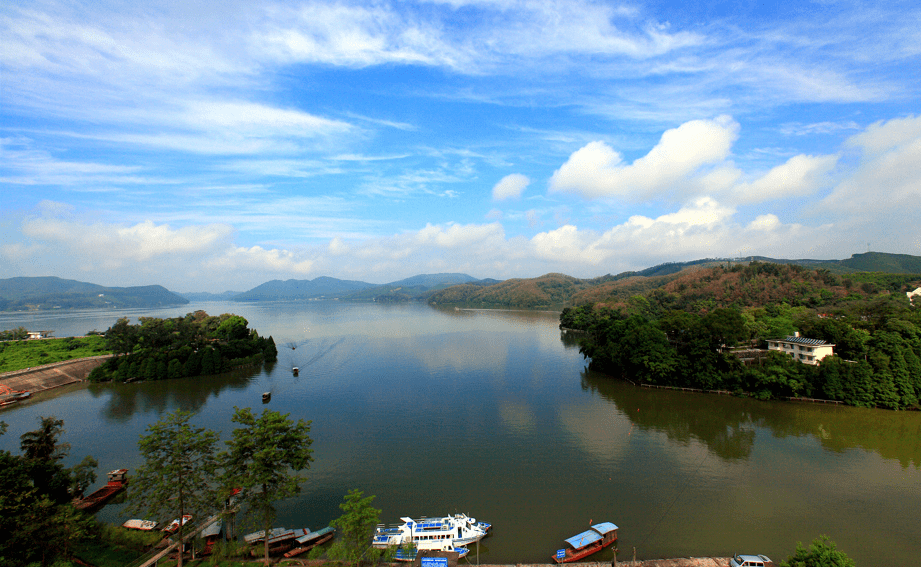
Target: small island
{"points": [[195, 345]]}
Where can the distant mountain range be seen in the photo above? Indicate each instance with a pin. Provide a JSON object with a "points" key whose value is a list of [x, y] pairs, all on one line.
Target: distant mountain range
{"points": [[448, 288], [205, 296], [19, 294]]}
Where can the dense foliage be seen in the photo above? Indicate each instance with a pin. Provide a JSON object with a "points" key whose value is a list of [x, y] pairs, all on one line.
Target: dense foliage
{"points": [[37, 521], [194, 345], [822, 552], [263, 459], [356, 527], [684, 335], [15, 355], [179, 464]]}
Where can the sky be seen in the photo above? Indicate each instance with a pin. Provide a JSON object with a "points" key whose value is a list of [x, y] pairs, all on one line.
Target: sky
{"points": [[212, 146]]}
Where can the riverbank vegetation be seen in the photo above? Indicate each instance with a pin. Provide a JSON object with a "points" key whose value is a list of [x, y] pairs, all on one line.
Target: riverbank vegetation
{"points": [[194, 345], [19, 354], [709, 330]]}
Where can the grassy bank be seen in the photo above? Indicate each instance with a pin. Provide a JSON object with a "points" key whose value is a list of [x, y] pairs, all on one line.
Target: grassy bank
{"points": [[16, 355]]}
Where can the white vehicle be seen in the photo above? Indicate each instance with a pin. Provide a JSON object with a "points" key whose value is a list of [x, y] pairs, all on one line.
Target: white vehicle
{"points": [[751, 561]]}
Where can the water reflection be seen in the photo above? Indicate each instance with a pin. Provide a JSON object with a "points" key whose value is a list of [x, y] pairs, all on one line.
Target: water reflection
{"points": [[124, 401], [728, 425]]}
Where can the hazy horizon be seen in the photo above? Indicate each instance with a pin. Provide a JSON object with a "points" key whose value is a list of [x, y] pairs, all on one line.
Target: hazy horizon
{"points": [[215, 146]]}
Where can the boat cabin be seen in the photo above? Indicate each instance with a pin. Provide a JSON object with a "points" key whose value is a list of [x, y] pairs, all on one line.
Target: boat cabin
{"points": [[118, 477], [588, 542]]}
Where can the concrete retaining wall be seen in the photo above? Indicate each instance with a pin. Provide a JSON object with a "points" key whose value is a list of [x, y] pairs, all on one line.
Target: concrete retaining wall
{"points": [[53, 375]]}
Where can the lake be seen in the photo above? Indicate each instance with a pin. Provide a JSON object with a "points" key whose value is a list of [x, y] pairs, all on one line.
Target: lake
{"points": [[494, 414]]}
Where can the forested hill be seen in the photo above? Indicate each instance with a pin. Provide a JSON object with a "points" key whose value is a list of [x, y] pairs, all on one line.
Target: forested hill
{"points": [[710, 328], [547, 291], [17, 294], [696, 280]]}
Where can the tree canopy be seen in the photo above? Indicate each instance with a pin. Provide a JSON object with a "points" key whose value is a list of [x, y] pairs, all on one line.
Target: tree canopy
{"points": [[194, 345], [822, 552], [179, 473], [263, 459]]}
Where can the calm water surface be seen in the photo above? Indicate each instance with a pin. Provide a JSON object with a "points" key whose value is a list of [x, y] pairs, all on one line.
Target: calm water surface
{"points": [[492, 413]]}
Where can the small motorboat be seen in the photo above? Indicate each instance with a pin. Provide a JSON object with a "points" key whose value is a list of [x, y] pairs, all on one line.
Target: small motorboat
{"points": [[266, 397], [174, 525], [295, 370], [588, 542], [143, 525]]}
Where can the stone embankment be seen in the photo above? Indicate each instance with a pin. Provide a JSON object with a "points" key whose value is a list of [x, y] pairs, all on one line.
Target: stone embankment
{"points": [[53, 375]]}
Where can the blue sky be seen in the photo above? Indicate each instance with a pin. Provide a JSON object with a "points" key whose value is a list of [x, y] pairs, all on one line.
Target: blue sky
{"points": [[207, 146]]}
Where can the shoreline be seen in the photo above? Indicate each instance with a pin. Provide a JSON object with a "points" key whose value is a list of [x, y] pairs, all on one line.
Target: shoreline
{"points": [[54, 375]]}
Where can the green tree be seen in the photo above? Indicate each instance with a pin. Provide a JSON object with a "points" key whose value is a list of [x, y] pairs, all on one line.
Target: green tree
{"points": [[179, 467], [37, 521], [822, 552], [356, 527], [263, 459], [232, 328], [121, 337]]}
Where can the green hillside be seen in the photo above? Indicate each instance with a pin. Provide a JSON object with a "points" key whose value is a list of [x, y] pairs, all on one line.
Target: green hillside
{"points": [[554, 291], [26, 293]]}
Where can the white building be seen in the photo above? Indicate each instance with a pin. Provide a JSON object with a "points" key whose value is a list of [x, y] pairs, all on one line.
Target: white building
{"points": [[40, 334], [807, 351]]}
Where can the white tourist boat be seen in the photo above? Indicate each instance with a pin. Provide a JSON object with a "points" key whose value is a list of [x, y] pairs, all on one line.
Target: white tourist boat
{"points": [[447, 533]]}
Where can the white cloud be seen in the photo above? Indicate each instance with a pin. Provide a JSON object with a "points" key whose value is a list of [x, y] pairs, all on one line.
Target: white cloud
{"points": [[456, 235], [887, 135], [883, 193], [260, 260], [510, 187], [596, 170], [116, 245], [800, 176]]}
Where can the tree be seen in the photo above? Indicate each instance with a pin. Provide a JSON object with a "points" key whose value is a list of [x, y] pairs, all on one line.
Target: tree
{"points": [[178, 471], [356, 526], [37, 521], [821, 553], [263, 459], [121, 337]]}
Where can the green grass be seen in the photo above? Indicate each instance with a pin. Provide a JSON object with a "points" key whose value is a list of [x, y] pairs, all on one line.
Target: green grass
{"points": [[16, 355]]}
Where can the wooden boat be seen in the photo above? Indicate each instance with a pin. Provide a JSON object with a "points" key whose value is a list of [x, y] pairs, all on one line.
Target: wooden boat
{"points": [[143, 525], [280, 539], [588, 542], [211, 535], [10, 396], [174, 525], [311, 540], [118, 480]]}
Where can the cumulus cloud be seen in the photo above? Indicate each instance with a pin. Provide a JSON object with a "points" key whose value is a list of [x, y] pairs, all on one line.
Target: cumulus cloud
{"points": [[258, 259], [510, 187], [885, 187], [455, 235], [115, 244], [801, 175], [597, 170]]}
